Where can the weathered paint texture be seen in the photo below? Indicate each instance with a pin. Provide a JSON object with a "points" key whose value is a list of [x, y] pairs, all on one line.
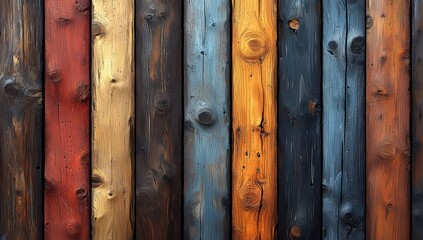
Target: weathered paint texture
{"points": [[343, 119], [158, 119], [207, 120], [67, 119], [21, 64], [112, 119], [388, 110], [254, 211], [299, 119], [417, 120]]}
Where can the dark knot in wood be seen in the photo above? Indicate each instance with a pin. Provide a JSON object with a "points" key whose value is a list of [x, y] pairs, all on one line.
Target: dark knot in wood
{"points": [[358, 45], [205, 117], [10, 87], [250, 197], [162, 104], [73, 229]]}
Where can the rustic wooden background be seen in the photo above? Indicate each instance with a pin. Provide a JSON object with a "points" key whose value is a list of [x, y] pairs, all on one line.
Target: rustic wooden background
{"points": [[211, 119]]}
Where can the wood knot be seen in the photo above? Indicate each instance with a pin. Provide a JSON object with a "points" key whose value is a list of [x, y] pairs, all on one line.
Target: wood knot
{"points": [[387, 150], [63, 20], [83, 92], [82, 6], [49, 185], [295, 231], [347, 213], [97, 29], [85, 158], [19, 193], [250, 196], [162, 104], [369, 21], [381, 93], [313, 107], [81, 193], [73, 229], [54, 76], [253, 46], [205, 117], [294, 24], [96, 180], [10, 87], [156, 12], [358, 45]]}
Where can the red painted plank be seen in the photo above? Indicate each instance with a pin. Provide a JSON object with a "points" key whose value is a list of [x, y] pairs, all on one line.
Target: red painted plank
{"points": [[67, 119]]}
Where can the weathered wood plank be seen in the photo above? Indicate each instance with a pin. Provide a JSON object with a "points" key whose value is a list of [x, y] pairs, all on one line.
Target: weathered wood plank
{"points": [[352, 209], [254, 203], [158, 117], [112, 119], [334, 79], [21, 194], [67, 119], [343, 119], [207, 120], [387, 121], [299, 119], [417, 120]]}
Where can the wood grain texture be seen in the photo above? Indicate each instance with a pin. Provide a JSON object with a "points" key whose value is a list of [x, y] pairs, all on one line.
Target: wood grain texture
{"points": [[158, 117], [67, 119], [21, 194], [387, 126], [417, 120], [207, 120], [254, 208], [299, 119], [343, 119], [112, 119]]}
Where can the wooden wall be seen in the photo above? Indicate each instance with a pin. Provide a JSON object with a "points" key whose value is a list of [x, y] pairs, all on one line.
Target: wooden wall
{"points": [[112, 119], [21, 125], [67, 119], [207, 120]]}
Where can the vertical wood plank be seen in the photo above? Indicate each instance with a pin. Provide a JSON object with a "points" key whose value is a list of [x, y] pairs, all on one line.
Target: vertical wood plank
{"points": [[254, 211], [388, 108], [343, 119], [334, 77], [299, 119], [21, 193], [207, 120], [353, 205], [158, 119], [417, 120], [112, 118], [67, 113]]}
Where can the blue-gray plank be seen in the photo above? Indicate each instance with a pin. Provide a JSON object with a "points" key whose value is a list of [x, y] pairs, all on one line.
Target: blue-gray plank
{"points": [[207, 120], [343, 119], [299, 119]]}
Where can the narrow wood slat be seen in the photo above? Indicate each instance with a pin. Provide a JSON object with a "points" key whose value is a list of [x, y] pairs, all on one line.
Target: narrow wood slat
{"points": [[343, 119], [21, 63], [417, 120], [207, 120], [387, 129], [112, 119], [158, 119], [67, 112], [299, 119], [254, 208]]}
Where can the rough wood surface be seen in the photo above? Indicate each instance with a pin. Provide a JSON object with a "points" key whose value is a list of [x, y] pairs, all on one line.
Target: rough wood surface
{"points": [[388, 108], [343, 119], [112, 119], [67, 119], [21, 194], [254, 212], [207, 120], [299, 119], [158, 119], [417, 120]]}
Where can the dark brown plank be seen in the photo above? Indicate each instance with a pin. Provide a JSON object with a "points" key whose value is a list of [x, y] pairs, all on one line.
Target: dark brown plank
{"points": [[158, 115], [21, 192]]}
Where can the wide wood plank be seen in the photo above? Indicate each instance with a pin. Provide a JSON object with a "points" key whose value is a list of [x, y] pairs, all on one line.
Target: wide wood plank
{"points": [[207, 120], [387, 121], [158, 117], [417, 120], [254, 208], [299, 119], [112, 119], [343, 119], [67, 119], [21, 63]]}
